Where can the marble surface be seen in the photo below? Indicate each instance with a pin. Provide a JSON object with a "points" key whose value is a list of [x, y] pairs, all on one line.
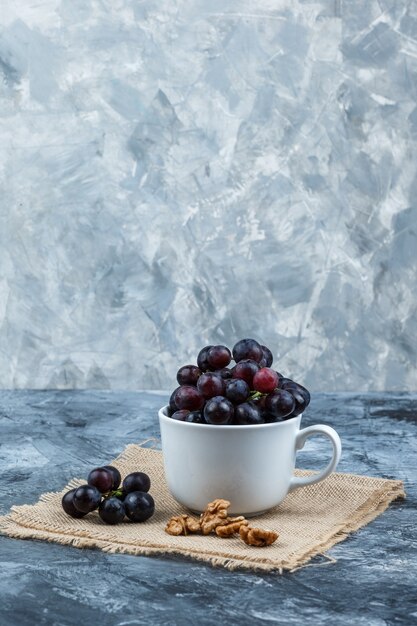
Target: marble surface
{"points": [[48, 437], [180, 173]]}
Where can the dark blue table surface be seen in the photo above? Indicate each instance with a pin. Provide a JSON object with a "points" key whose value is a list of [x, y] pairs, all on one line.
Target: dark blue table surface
{"points": [[47, 437]]}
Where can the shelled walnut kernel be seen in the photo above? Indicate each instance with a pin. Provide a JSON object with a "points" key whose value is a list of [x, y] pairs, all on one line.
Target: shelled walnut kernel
{"points": [[231, 526], [257, 536], [214, 515], [182, 525]]}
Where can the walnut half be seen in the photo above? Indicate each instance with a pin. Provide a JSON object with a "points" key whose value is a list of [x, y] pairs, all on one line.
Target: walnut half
{"points": [[257, 536], [231, 526], [182, 525], [214, 515]]}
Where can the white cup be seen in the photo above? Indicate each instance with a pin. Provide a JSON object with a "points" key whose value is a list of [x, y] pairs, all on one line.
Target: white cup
{"points": [[251, 466]]}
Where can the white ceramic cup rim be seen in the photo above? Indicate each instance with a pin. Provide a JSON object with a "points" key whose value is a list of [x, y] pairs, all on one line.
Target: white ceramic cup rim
{"points": [[163, 415]]}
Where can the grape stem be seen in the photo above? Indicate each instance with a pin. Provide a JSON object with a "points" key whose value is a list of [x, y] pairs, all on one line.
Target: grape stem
{"points": [[116, 493], [254, 395]]}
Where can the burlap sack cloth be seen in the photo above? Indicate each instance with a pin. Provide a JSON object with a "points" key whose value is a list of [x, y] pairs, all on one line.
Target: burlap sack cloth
{"points": [[309, 521]]}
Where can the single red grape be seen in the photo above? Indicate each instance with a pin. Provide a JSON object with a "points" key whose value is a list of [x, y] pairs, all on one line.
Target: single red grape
{"points": [[265, 380]]}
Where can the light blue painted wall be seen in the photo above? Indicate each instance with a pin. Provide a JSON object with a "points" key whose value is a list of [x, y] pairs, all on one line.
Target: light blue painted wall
{"points": [[177, 173]]}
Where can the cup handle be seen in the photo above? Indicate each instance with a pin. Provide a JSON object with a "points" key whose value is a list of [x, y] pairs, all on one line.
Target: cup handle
{"points": [[302, 436]]}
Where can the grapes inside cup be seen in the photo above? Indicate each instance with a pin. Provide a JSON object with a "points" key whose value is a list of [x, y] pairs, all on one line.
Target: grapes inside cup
{"points": [[237, 387]]}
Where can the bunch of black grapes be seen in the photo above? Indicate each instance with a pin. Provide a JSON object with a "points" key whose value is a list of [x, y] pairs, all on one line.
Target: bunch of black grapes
{"points": [[247, 393], [102, 492]]}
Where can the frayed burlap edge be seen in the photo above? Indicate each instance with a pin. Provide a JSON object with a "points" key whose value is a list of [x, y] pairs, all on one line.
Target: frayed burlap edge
{"points": [[13, 526], [372, 508]]}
